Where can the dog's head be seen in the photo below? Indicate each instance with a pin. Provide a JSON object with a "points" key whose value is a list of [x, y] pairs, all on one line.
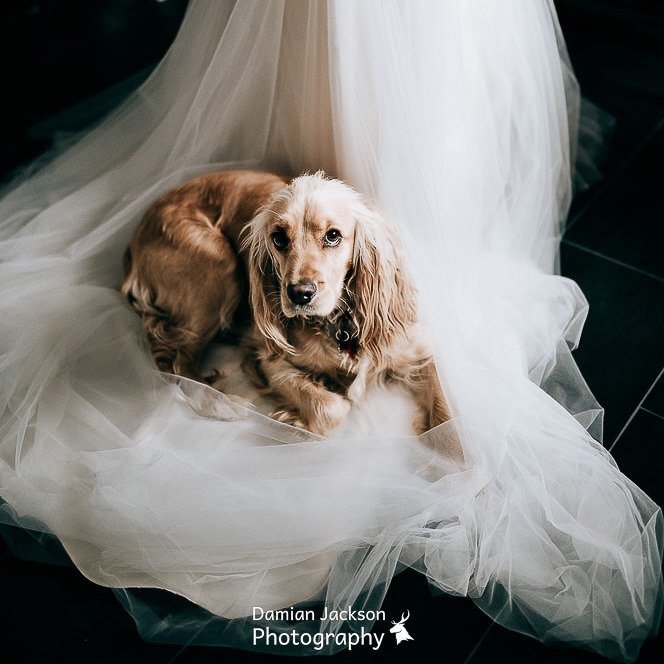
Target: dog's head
{"points": [[316, 249]]}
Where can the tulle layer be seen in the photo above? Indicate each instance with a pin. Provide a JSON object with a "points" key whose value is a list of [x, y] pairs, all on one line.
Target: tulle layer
{"points": [[457, 120]]}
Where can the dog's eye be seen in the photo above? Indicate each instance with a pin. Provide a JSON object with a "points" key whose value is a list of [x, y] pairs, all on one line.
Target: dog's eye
{"points": [[332, 238], [280, 240]]}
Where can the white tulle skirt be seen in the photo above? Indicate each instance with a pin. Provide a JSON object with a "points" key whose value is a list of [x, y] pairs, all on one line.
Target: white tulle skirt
{"points": [[458, 119]]}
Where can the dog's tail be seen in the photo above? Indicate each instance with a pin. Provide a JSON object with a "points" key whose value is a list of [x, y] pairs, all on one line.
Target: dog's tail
{"points": [[138, 295], [174, 348]]}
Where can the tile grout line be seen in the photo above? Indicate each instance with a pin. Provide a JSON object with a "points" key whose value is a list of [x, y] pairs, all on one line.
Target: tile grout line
{"points": [[480, 641], [627, 266], [494, 622], [615, 175], [184, 647], [177, 654], [650, 412], [636, 410]]}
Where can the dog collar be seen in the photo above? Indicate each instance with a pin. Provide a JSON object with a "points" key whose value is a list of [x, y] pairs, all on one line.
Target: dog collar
{"points": [[346, 334]]}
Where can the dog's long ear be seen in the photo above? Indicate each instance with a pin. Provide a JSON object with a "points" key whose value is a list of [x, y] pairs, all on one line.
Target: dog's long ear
{"points": [[264, 285], [383, 294]]}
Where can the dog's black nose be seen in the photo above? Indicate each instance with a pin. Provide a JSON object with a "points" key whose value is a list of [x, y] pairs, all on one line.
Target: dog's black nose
{"points": [[302, 292]]}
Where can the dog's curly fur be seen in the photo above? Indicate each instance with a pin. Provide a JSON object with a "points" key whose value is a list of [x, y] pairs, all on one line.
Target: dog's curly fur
{"points": [[186, 273]]}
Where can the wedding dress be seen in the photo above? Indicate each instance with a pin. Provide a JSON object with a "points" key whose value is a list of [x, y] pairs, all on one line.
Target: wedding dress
{"points": [[458, 120]]}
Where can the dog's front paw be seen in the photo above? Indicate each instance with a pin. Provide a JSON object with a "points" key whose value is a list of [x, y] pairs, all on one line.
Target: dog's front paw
{"points": [[324, 413], [289, 417], [328, 412]]}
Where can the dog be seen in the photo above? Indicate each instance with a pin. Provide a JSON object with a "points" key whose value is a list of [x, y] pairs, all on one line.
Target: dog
{"points": [[332, 307]]}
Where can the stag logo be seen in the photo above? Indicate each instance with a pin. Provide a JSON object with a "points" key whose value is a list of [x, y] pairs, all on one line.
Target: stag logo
{"points": [[400, 631]]}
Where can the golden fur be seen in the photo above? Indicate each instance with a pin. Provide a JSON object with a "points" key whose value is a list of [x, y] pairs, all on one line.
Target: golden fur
{"points": [[332, 307]]}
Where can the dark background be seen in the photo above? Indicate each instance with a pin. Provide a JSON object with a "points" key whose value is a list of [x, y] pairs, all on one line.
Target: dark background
{"points": [[65, 63]]}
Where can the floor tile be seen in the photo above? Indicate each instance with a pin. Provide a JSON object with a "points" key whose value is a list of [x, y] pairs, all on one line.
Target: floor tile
{"points": [[652, 651], [624, 222], [615, 49], [640, 453], [654, 402], [214, 655], [620, 353], [52, 613], [61, 53], [503, 645]]}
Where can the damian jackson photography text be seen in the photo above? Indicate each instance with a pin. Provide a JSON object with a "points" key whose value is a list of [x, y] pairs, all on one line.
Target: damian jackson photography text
{"points": [[318, 640]]}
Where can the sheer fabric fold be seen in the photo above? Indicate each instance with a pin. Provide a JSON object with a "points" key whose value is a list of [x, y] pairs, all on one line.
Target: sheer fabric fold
{"points": [[458, 120]]}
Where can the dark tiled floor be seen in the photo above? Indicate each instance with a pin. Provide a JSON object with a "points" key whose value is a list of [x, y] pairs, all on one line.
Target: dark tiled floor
{"points": [[57, 53], [611, 249], [654, 401], [51, 613], [622, 222], [621, 351], [502, 645], [645, 433], [616, 50]]}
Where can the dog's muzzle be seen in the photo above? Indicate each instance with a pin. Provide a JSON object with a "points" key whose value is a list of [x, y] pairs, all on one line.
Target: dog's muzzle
{"points": [[301, 292]]}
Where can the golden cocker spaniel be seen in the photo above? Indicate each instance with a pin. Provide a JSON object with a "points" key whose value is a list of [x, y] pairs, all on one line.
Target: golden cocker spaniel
{"points": [[332, 307]]}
